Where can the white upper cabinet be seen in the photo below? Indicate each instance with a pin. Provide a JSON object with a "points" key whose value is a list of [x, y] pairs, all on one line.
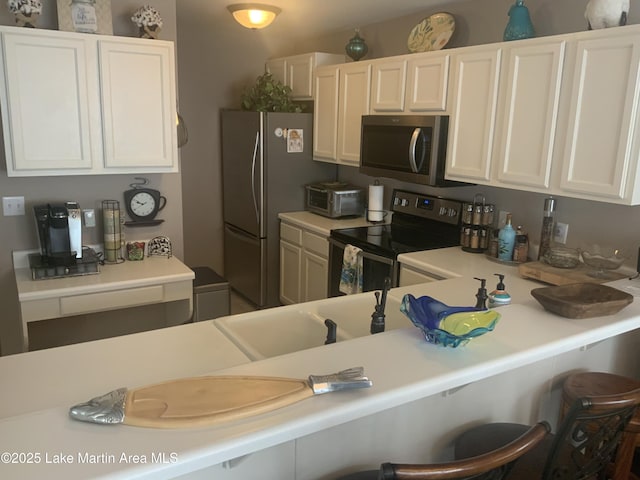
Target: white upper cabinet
{"points": [[355, 88], [427, 82], [46, 97], [475, 96], [138, 104], [297, 71], [75, 104], [527, 124], [388, 86], [410, 84], [601, 152], [325, 114], [342, 97]]}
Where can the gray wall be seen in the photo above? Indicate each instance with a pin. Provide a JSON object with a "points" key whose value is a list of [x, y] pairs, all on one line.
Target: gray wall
{"points": [[18, 233]]}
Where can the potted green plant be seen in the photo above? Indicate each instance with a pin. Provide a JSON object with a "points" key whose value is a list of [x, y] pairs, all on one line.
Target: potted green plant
{"points": [[269, 95]]}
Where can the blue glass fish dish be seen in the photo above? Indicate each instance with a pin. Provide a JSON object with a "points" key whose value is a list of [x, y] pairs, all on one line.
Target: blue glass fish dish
{"points": [[445, 325]]}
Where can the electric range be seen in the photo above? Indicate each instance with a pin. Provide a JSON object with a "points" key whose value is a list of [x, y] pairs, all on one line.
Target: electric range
{"points": [[419, 222]]}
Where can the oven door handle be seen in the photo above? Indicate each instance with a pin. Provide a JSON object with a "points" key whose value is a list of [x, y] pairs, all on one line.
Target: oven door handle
{"points": [[367, 255]]}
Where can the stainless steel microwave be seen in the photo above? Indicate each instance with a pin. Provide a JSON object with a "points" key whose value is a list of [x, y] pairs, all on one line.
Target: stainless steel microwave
{"points": [[411, 148]]}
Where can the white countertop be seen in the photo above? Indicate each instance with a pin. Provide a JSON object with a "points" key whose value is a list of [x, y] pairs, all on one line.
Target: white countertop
{"points": [[322, 225], [150, 271], [402, 366]]}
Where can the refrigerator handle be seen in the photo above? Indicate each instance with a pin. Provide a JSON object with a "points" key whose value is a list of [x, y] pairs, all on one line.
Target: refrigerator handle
{"points": [[253, 176]]}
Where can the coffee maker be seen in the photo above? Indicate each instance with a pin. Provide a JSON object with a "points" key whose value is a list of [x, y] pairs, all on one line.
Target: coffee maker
{"points": [[60, 235], [59, 231]]}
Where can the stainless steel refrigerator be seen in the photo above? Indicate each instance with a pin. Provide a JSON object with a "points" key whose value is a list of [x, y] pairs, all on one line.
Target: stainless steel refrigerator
{"points": [[266, 162]]}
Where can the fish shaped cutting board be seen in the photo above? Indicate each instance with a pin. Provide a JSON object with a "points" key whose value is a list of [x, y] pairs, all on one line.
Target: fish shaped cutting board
{"points": [[209, 400]]}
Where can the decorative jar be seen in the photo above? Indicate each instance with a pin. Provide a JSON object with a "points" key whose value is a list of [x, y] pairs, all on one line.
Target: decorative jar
{"points": [[356, 48], [519, 25]]}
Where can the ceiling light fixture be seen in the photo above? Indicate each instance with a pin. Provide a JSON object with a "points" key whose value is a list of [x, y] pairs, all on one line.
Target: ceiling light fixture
{"points": [[253, 15]]}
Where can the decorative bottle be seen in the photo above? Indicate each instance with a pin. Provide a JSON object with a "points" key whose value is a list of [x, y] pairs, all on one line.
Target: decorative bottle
{"points": [[546, 234], [506, 240], [519, 25]]}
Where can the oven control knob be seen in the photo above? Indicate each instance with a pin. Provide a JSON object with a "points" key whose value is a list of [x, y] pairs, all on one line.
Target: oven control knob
{"points": [[404, 202], [442, 211], [453, 212]]}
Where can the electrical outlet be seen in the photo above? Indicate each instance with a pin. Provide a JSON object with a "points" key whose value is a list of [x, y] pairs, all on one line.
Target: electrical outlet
{"points": [[89, 217], [560, 232], [12, 206]]}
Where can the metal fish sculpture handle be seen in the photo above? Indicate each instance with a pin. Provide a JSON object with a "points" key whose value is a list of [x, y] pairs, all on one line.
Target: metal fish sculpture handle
{"points": [[201, 401]]}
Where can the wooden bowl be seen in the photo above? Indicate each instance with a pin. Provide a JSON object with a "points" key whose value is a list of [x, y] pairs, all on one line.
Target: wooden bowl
{"points": [[582, 300]]}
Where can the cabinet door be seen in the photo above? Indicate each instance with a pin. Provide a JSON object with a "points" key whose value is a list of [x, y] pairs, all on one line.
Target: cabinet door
{"points": [[290, 273], [604, 97], [528, 126], [355, 88], [278, 69], [325, 114], [45, 105], [471, 134], [428, 78], [409, 276], [300, 76], [388, 86], [139, 105], [315, 276]]}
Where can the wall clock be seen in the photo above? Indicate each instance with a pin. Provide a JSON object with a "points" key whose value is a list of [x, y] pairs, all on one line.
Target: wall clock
{"points": [[143, 204]]}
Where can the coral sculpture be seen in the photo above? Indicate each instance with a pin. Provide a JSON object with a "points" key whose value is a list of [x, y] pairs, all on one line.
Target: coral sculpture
{"points": [[25, 11], [148, 21]]}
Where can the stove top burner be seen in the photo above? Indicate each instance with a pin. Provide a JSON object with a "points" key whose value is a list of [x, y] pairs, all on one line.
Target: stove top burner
{"points": [[419, 222]]}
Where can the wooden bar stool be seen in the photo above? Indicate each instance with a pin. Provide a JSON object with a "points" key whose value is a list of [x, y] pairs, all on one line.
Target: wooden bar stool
{"points": [[589, 384]]}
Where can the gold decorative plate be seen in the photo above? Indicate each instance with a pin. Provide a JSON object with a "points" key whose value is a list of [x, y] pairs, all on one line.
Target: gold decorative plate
{"points": [[432, 33]]}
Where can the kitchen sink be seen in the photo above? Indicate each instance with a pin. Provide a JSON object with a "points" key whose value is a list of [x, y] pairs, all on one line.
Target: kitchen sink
{"points": [[278, 331], [352, 314]]}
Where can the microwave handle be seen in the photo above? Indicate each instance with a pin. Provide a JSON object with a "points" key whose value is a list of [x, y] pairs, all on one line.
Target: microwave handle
{"points": [[415, 168]]}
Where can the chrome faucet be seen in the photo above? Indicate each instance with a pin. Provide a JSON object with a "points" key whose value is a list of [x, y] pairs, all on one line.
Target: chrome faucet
{"points": [[377, 317]]}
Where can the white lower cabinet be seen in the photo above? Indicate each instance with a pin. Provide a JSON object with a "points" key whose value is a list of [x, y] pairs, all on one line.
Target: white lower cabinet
{"points": [[414, 276], [274, 462], [77, 104], [304, 265]]}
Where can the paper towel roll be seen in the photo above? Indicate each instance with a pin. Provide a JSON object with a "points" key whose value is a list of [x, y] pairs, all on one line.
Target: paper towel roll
{"points": [[376, 210]]}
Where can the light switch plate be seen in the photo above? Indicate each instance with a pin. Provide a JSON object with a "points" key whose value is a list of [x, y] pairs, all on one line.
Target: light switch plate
{"points": [[560, 232], [12, 206]]}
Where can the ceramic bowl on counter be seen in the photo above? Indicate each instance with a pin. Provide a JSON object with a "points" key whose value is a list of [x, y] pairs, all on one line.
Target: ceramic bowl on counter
{"points": [[445, 325], [562, 257]]}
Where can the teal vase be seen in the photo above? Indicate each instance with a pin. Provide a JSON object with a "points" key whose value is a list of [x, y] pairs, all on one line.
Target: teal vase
{"points": [[356, 48], [519, 25]]}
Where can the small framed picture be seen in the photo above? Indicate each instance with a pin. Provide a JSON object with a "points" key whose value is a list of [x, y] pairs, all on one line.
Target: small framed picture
{"points": [[85, 16], [295, 141]]}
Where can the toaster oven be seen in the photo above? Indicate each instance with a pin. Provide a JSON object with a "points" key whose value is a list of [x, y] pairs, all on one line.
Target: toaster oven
{"points": [[334, 199]]}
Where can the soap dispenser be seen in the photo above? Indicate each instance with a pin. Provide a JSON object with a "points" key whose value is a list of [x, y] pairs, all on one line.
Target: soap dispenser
{"points": [[499, 296], [481, 295]]}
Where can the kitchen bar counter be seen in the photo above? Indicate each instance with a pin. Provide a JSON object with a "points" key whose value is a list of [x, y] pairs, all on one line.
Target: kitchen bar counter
{"points": [[156, 279], [405, 371]]}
